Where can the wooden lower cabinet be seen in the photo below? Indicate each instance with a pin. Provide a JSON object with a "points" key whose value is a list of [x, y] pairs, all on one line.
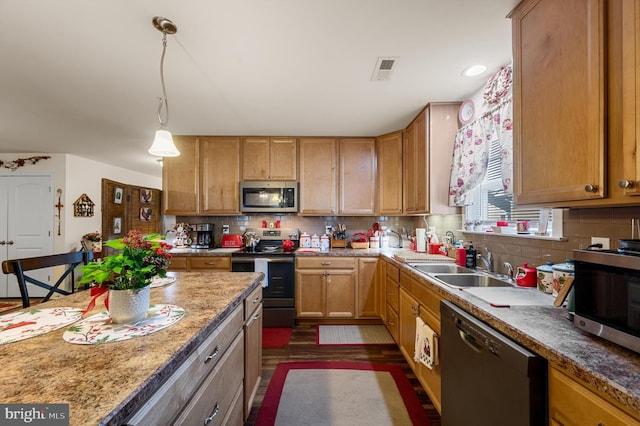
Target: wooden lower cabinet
{"points": [[208, 384], [368, 293], [199, 263], [391, 297], [326, 287], [415, 299], [253, 347], [572, 404]]}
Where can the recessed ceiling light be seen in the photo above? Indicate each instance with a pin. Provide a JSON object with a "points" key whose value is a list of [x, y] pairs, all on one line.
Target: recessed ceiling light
{"points": [[474, 70]]}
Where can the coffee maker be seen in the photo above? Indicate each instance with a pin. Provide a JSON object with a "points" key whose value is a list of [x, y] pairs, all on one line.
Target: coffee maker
{"points": [[204, 236]]}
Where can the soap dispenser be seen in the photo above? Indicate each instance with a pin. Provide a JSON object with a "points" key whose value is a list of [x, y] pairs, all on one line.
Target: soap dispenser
{"points": [[471, 256]]}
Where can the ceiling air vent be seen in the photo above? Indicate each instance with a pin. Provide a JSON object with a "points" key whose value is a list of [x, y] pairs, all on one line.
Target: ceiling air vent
{"points": [[384, 67]]}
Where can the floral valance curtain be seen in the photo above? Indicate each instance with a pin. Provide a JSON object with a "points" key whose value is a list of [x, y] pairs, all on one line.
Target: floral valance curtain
{"points": [[473, 142]]}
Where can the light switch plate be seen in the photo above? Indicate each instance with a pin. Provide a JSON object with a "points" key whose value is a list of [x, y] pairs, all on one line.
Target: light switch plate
{"points": [[602, 240], [225, 229]]}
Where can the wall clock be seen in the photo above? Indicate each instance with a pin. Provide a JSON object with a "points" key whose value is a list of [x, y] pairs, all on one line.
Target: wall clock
{"points": [[466, 111]]}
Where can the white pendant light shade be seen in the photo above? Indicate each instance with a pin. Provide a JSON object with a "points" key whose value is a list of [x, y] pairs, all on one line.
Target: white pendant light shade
{"points": [[163, 145]]}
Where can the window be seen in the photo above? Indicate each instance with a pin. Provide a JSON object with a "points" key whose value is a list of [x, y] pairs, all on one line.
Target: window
{"points": [[489, 203]]}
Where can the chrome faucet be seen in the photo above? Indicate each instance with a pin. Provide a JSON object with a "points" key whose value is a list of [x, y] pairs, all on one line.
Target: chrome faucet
{"points": [[508, 269], [397, 235], [486, 260]]}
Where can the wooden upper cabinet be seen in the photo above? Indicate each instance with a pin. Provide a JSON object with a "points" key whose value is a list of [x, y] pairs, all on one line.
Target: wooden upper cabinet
{"points": [[389, 158], [559, 101], [180, 178], [357, 188], [626, 16], [220, 175], [269, 159], [428, 153], [318, 176]]}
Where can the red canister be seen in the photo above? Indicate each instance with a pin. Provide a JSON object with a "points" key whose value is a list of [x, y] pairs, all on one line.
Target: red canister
{"points": [[526, 276]]}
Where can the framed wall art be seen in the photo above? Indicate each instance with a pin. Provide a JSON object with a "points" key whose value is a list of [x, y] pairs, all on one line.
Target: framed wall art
{"points": [[117, 195], [117, 225], [145, 214], [146, 196]]}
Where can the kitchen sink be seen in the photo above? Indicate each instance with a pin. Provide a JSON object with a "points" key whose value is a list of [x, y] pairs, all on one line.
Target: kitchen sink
{"points": [[441, 268], [471, 280]]}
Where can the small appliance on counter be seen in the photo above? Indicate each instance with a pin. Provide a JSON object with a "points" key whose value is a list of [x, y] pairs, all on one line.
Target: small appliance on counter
{"points": [[204, 236], [231, 241]]}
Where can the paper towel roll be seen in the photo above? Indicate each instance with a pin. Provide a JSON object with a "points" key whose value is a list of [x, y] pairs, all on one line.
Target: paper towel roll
{"points": [[421, 239]]}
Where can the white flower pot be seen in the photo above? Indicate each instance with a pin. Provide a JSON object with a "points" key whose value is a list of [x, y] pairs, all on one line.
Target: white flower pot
{"points": [[129, 306]]}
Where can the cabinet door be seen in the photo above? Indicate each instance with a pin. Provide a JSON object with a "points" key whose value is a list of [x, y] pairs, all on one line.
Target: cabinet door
{"points": [[341, 293], [628, 178], [283, 159], [409, 310], [559, 102], [570, 404], [389, 157], [220, 162], [310, 293], [409, 193], [357, 176], [180, 183], [421, 163], [252, 357], [368, 294], [255, 158], [318, 176]]}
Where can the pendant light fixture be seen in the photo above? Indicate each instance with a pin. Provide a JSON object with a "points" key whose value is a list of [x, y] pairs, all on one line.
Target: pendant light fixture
{"points": [[163, 145]]}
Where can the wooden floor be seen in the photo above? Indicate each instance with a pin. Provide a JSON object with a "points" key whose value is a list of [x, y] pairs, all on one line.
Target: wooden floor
{"points": [[303, 348]]}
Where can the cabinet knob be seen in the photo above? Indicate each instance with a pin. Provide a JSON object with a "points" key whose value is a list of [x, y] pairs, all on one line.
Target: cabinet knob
{"points": [[591, 188], [626, 184], [10, 242], [2, 243]]}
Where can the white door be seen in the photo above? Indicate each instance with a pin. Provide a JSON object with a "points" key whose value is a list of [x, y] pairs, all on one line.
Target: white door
{"points": [[26, 227]]}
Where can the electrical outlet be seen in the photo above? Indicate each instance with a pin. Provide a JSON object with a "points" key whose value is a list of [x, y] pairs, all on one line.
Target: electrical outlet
{"points": [[225, 229], [601, 240]]}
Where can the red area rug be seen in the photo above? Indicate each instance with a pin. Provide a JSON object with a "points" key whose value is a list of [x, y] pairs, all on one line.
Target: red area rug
{"points": [[275, 337], [340, 393]]}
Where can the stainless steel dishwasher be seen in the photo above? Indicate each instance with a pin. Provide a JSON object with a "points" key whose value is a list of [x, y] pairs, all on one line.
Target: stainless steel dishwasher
{"points": [[487, 379]]}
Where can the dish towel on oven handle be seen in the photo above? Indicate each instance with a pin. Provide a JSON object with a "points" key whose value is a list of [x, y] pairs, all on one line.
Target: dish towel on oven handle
{"points": [[262, 265], [426, 347]]}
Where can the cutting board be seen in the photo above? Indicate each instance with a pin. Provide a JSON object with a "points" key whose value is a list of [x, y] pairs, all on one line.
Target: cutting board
{"points": [[414, 256], [511, 296]]}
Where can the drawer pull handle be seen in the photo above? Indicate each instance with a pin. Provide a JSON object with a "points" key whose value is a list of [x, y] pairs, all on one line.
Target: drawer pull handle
{"points": [[256, 300], [391, 323], [210, 263], [216, 409], [256, 317], [325, 263], [215, 353]]}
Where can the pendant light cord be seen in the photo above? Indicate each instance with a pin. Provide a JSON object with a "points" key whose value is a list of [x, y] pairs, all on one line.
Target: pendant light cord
{"points": [[163, 99]]}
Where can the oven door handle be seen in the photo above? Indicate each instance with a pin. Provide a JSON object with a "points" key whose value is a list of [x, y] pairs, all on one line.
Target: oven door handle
{"points": [[284, 259]]}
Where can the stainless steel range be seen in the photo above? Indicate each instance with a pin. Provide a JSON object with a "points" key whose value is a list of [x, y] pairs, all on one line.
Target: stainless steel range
{"points": [[264, 252]]}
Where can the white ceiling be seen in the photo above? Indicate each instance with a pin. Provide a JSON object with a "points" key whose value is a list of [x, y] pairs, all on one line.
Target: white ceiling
{"points": [[82, 77]]}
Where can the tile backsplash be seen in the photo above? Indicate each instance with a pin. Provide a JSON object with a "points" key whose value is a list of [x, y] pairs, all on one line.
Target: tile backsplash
{"points": [[579, 226]]}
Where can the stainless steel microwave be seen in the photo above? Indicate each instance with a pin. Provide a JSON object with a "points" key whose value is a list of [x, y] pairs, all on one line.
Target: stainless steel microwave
{"points": [[607, 295], [258, 196]]}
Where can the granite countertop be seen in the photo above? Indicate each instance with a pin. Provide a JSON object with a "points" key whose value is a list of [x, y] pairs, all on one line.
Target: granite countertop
{"points": [[607, 367], [104, 383]]}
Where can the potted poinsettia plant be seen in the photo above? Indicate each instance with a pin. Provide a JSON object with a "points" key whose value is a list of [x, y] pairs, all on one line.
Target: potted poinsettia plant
{"points": [[130, 272]]}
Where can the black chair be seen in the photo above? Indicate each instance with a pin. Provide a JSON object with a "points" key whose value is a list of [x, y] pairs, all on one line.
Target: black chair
{"points": [[19, 266]]}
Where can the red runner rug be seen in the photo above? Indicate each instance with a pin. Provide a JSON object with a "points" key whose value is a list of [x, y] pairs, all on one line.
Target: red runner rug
{"points": [[319, 395], [275, 337]]}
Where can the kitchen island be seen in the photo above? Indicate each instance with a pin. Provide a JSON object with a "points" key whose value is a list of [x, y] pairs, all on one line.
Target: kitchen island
{"points": [[104, 383]]}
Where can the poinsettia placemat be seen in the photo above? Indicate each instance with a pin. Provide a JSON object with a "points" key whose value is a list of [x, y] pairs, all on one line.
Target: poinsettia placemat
{"points": [[35, 322], [99, 329]]}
